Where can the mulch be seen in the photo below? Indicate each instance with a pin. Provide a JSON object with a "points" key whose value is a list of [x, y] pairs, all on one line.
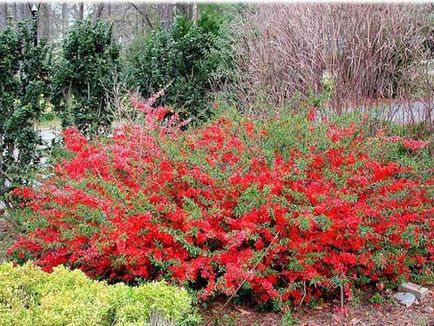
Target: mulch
{"points": [[388, 313]]}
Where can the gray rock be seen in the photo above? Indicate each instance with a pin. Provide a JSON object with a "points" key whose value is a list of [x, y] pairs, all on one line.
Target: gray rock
{"points": [[405, 298], [429, 309], [419, 291]]}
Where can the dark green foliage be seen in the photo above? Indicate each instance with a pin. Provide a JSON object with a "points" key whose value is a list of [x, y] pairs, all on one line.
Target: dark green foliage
{"points": [[84, 76], [184, 60], [24, 84]]}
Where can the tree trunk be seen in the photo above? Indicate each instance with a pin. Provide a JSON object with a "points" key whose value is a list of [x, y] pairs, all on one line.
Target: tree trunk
{"points": [[108, 9], [14, 12], [44, 20], [3, 14], [98, 11], [81, 11], [63, 22], [23, 11], [165, 13], [195, 13], [185, 9], [143, 11], [20, 11]]}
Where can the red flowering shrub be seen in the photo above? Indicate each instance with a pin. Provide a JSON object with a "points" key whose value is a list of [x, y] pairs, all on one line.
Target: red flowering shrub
{"points": [[292, 207]]}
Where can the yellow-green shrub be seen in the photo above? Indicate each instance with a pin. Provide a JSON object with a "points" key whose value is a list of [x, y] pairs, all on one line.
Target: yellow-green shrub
{"points": [[29, 296]]}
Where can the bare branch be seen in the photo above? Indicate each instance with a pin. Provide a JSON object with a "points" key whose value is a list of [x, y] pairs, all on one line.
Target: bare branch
{"points": [[145, 15]]}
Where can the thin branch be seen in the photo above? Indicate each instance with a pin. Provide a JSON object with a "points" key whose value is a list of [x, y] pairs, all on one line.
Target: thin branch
{"points": [[304, 293], [145, 15]]}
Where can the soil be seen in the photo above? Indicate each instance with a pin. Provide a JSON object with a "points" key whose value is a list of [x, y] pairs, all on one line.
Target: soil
{"points": [[387, 313]]}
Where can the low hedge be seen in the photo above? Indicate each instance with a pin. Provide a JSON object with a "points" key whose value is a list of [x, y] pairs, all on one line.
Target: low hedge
{"points": [[284, 210], [29, 296]]}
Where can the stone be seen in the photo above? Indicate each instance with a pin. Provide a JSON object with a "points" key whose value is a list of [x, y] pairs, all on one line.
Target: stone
{"points": [[405, 298], [429, 309], [419, 291]]}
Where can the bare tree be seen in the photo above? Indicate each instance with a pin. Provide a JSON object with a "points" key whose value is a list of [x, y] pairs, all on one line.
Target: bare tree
{"points": [[64, 12], [108, 7], [143, 13], [98, 9], [81, 11], [129, 19], [165, 13], [184, 9], [195, 10], [44, 20], [188, 9], [14, 12], [3, 14], [23, 11]]}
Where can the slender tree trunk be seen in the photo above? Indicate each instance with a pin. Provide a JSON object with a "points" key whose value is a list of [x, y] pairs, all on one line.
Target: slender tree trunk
{"points": [[81, 11], [44, 20], [26, 9], [63, 22], [108, 7], [23, 11], [98, 11], [195, 13], [14, 12], [184, 9], [3, 14], [20, 11], [143, 11], [165, 12]]}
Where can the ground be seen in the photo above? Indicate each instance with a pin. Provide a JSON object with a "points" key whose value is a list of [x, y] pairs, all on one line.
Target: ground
{"points": [[365, 313], [6, 236], [388, 313]]}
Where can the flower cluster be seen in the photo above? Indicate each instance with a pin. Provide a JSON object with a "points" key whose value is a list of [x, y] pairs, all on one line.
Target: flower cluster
{"points": [[410, 144], [232, 202]]}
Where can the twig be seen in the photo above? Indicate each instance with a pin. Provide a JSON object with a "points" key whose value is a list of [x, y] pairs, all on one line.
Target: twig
{"points": [[143, 14], [304, 293]]}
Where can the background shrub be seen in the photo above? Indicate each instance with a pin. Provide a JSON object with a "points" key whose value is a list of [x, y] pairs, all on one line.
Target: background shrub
{"points": [[25, 87], [184, 60], [85, 75], [356, 53], [287, 205], [29, 296]]}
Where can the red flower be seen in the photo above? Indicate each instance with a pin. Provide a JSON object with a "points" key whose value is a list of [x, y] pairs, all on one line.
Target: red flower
{"points": [[74, 140], [216, 206]]}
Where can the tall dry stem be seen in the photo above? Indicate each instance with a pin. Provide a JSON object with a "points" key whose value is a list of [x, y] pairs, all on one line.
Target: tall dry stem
{"points": [[362, 54]]}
